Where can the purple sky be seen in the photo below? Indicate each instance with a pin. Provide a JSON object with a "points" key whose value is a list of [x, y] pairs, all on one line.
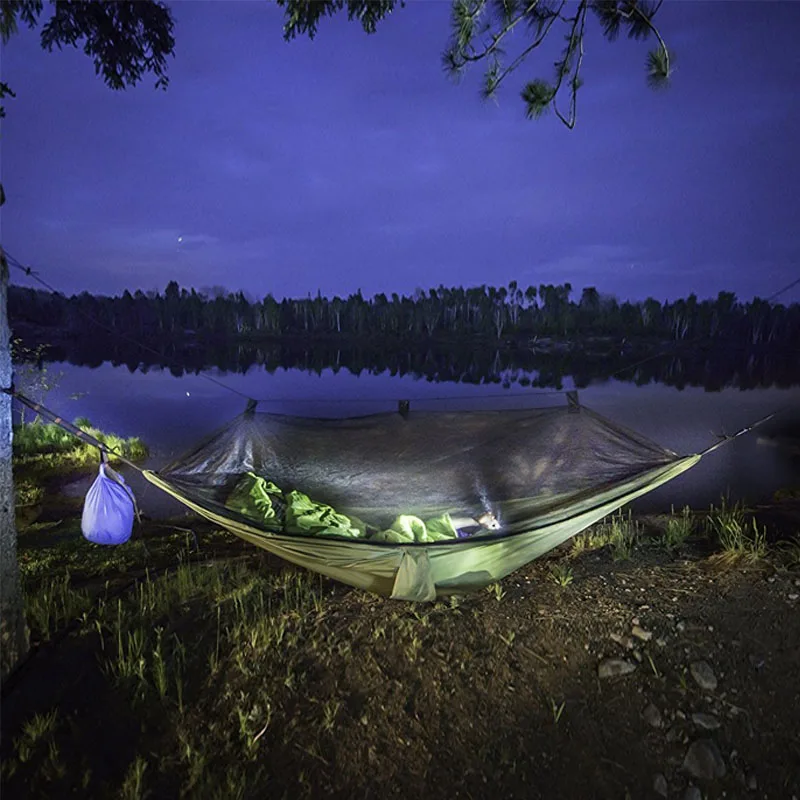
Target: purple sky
{"points": [[353, 162]]}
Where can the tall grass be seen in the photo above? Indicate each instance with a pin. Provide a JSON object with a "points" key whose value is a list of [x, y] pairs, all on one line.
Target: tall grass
{"points": [[619, 530], [679, 528], [55, 604], [623, 531], [738, 537], [40, 440]]}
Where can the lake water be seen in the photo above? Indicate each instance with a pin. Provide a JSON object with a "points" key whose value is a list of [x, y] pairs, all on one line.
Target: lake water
{"points": [[171, 414]]}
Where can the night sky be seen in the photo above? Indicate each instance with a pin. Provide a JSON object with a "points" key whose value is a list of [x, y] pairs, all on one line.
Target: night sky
{"points": [[353, 162]]}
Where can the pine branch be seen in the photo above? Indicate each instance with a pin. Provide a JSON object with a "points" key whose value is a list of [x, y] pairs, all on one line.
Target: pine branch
{"points": [[537, 95], [462, 57], [524, 54], [575, 40], [658, 68]]}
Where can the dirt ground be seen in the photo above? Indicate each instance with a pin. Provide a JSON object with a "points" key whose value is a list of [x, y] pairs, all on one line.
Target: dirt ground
{"points": [[500, 694]]}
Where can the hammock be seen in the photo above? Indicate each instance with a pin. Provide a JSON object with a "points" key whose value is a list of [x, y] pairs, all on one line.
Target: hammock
{"points": [[544, 474]]}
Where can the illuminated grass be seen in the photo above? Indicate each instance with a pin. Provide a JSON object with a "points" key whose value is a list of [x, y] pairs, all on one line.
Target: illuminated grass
{"points": [[679, 528], [47, 444], [739, 538]]}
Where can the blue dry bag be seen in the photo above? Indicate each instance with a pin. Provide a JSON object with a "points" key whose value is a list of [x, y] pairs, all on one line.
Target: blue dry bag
{"points": [[108, 510]]}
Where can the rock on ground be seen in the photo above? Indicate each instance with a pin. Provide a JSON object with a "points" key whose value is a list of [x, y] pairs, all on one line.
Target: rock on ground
{"points": [[703, 760], [652, 716], [614, 667], [704, 676], [707, 722]]}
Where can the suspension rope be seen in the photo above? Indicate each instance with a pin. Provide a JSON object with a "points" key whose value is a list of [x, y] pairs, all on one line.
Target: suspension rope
{"points": [[781, 291], [725, 438]]}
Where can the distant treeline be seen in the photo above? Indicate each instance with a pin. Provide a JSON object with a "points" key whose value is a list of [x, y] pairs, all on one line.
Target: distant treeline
{"points": [[485, 311]]}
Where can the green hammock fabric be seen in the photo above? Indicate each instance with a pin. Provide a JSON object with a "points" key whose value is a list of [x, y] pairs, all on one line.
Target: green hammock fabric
{"points": [[369, 501]]}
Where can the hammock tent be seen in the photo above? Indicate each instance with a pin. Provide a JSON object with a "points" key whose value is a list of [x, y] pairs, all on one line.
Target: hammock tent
{"points": [[544, 475]]}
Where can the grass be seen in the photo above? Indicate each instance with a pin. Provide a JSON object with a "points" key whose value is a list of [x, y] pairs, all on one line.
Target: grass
{"points": [[46, 446], [36, 746], [739, 537], [678, 529], [27, 493], [230, 671], [623, 532], [790, 553], [497, 590], [53, 605], [38, 729], [619, 531], [133, 785], [561, 574], [63, 549]]}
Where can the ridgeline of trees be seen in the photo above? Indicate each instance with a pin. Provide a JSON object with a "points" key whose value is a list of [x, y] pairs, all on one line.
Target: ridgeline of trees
{"points": [[483, 311]]}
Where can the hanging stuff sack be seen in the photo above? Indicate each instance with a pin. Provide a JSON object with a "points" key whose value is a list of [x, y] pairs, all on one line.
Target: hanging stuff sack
{"points": [[109, 508]]}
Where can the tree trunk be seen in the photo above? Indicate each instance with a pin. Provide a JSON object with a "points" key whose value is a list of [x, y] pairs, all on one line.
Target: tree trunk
{"points": [[13, 630]]}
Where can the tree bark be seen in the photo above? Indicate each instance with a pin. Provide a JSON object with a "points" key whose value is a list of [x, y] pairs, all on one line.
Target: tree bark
{"points": [[13, 630]]}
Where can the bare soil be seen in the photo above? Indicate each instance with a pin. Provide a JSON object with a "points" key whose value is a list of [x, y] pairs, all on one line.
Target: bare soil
{"points": [[492, 695]]}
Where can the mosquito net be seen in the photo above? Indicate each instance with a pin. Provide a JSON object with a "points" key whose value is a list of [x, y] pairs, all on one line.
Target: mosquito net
{"points": [[422, 503], [511, 464]]}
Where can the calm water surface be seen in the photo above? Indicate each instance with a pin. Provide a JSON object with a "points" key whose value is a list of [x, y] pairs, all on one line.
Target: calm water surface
{"points": [[172, 414]]}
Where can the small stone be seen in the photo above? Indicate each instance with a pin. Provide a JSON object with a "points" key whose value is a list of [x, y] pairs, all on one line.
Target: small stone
{"points": [[623, 641], [706, 722], [652, 716], [661, 642], [641, 633], [614, 667], [704, 761], [752, 782], [692, 793], [704, 676], [681, 626], [673, 734], [755, 661], [794, 596], [660, 785]]}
